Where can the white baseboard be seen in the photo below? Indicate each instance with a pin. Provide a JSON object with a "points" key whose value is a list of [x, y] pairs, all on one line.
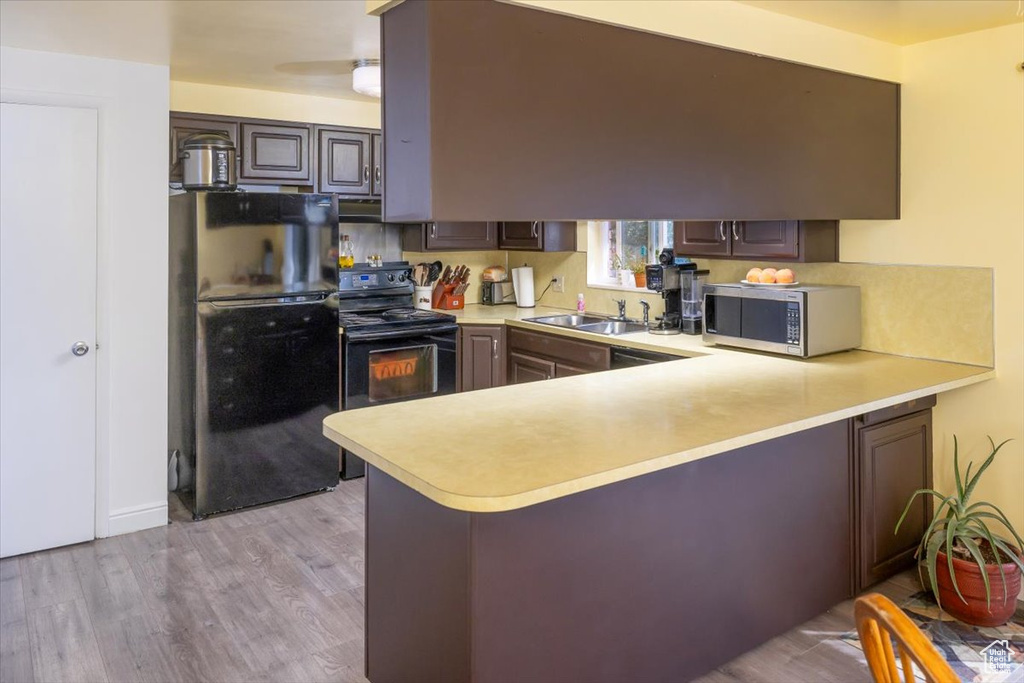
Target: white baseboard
{"points": [[137, 518]]}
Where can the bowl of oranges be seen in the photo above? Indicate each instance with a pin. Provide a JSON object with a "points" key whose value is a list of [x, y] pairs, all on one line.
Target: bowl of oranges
{"points": [[770, 277]]}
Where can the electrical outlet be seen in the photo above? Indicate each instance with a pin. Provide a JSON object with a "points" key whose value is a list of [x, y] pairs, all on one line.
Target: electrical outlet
{"points": [[558, 283]]}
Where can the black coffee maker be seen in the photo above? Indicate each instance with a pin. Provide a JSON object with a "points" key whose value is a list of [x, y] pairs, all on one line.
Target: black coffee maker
{"points": [[680, 286], [663, 277]]}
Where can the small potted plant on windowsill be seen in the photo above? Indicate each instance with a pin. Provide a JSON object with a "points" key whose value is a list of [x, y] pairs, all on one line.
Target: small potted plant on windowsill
{"points": [[639, 268], [974, 573]]}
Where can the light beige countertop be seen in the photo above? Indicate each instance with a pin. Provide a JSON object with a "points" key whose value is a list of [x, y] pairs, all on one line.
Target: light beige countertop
{"points": [[510, 447]]}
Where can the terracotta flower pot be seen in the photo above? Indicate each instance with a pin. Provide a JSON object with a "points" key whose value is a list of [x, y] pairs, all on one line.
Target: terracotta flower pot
{"points": [[968, 577], [641, 279]]}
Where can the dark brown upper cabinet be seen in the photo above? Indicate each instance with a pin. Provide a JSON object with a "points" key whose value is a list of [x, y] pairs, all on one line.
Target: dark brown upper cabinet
{"points": [[377, 187], [537, 235], [277, 152], [344, 161], [802, 241], [184, 125], [451, 236], [340, 160], [733, 133]]}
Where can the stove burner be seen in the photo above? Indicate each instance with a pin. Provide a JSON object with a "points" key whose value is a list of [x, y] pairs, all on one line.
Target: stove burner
{"points": [[394, 318]]}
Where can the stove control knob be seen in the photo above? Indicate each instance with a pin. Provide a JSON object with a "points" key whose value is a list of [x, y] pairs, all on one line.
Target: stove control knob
{"points": [[401, 278], [391, 277]]}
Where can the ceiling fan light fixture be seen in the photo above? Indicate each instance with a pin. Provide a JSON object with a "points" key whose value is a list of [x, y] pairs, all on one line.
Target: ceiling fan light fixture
{"points": [[366, 77]]}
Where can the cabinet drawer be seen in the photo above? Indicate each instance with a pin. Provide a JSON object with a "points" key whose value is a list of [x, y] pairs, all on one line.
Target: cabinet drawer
{"points": [[581, 355]]}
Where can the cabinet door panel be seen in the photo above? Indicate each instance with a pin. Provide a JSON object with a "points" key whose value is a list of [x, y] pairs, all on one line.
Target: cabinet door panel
{"points": [[378, 166], [522, 369], [565, 370], [894, 461], [701, 238], [766, 239], [470, 235], [279, 152], [520, 235], [344, 162], [482, 351], [183, 126]]}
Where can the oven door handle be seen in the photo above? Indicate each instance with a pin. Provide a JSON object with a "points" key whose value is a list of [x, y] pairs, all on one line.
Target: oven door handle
{"points": [[400, 334]]}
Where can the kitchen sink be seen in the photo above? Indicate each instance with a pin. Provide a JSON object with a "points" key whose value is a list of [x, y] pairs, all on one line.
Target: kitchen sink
{"points": [[612, 327], [571, 320], [590, 323]]}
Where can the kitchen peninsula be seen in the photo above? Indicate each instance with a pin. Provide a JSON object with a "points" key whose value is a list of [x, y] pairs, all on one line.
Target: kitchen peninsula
{"points": [[640, 524]]}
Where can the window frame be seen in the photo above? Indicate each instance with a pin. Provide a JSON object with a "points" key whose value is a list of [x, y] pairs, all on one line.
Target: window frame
{"points": [[599, 251]]}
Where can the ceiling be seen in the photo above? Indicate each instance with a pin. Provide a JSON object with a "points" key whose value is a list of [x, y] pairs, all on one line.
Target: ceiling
{"points": [[903, 22], [307, 46], [300, 46]]}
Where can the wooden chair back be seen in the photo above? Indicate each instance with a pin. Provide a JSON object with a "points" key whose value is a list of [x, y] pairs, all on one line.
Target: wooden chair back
{"points": [[878, 618]]}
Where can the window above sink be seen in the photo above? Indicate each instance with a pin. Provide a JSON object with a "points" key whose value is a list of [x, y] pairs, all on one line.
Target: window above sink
{"points": [[613, 246]]}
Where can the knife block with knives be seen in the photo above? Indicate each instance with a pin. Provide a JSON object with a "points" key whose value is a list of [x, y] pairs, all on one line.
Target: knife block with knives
{"points": [[449, 291]]}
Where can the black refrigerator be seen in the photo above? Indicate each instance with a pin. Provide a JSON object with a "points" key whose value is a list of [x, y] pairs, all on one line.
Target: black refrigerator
{"points": [[253, 359]]}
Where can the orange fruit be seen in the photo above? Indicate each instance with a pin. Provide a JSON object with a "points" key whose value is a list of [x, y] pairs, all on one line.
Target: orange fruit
{"points": [[753, 274], [767, 276], [785, 275]]}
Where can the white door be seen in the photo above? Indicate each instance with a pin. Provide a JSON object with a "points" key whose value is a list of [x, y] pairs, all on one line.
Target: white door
{"points": [[48, 166]]}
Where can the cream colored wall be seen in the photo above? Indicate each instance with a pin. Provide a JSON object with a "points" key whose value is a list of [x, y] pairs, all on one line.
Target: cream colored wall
{"points": [[266, 104], [741, 27], [963, 203]]}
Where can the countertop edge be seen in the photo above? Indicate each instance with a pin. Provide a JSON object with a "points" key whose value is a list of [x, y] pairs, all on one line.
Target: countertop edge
{"points": [[540, 495]]}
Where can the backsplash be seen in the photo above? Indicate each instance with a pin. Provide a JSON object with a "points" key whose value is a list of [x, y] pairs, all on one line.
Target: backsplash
{"points": [[937, 312]]}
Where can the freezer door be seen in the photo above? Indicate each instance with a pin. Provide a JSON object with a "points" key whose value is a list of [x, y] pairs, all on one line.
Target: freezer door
{"points": [[265, 244], [266, 377]]}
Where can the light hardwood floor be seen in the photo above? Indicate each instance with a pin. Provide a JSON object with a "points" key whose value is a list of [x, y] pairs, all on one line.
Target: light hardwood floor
{"points": [[268, 594]]}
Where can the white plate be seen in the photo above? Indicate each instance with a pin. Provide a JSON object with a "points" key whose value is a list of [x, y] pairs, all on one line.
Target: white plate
{"points": [[769, 284]]}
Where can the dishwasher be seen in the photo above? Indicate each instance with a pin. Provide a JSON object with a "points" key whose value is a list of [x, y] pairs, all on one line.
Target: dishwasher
{"points": [[623, 357]]}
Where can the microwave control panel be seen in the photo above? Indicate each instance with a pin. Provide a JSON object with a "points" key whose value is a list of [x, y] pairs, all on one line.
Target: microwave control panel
{"points": [[792, 322]]}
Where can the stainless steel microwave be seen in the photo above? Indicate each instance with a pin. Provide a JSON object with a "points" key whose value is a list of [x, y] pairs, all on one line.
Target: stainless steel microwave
{"points": [[804, 321]]}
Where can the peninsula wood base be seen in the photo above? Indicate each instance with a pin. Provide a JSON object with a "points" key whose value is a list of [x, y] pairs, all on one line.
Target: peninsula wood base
{"points": [[657, 578]]}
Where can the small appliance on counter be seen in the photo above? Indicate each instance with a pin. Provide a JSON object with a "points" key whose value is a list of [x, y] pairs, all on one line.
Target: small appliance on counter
{"points": [[495, 288], [208, 162], [804, 321], [680, 287]]}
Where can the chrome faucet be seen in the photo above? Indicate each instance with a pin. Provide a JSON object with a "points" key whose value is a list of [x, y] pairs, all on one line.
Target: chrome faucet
{"points": [[622, 308], [647, 312]]}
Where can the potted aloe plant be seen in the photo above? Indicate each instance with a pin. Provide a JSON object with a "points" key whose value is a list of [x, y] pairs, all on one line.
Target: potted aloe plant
{"points": [[974, 573]]}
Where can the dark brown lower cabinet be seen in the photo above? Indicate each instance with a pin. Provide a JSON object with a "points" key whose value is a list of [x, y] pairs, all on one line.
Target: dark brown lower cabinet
{"points": [[523, 369], [534, 356], [893, 459], [481, 357]]}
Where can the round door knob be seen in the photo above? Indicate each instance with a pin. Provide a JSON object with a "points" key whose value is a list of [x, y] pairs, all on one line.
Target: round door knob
{"points": [[80, 348]]}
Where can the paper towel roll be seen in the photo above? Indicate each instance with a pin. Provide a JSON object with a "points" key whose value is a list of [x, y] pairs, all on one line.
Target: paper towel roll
{"points": [[522, 283]]}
